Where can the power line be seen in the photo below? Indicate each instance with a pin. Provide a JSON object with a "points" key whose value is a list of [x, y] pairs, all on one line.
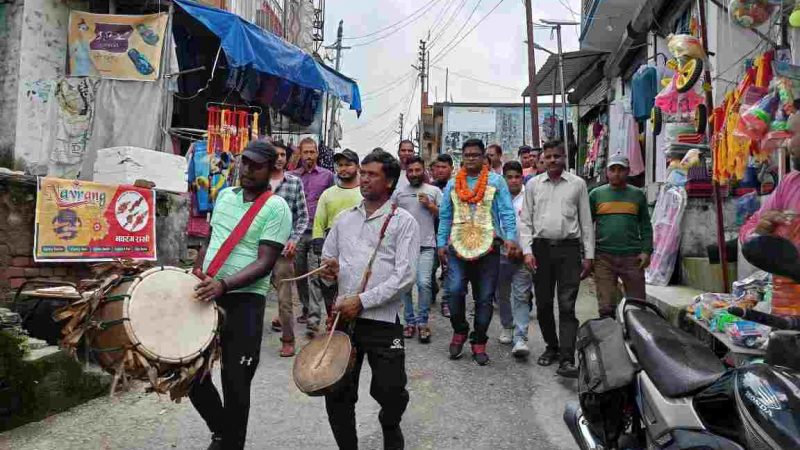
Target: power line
{"points": [[449, 22], [477, 80], [392, 25], [380, 38], [387, 111], [444, 52], [390, 86], [440, 16], [466, 22]]}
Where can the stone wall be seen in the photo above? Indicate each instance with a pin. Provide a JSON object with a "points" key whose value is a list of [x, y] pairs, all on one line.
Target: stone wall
{"points": [[10, 40], [700, 225], [17, 217]]}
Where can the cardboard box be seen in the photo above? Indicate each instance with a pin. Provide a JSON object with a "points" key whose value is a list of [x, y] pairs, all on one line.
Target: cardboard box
{"points": [[125, 165]]}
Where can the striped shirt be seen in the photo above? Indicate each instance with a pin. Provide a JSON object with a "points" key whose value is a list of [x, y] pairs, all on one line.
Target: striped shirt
{"points": [[291, 190]]}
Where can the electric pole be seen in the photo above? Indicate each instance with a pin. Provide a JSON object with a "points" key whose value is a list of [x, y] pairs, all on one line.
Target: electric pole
{"points": [[401, 126], [335, 103], [423, 77], [533, 90]]}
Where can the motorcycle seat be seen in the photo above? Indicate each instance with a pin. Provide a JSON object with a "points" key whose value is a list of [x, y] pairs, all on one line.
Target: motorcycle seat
{"points": [[677, 362]]}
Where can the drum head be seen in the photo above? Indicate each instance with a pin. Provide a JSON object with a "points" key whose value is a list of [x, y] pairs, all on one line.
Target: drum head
{"points": [[314, 379], [165, 319]]}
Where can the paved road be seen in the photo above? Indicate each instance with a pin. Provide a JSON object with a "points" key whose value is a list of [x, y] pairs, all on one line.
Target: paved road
{"points": [[454, 405]]}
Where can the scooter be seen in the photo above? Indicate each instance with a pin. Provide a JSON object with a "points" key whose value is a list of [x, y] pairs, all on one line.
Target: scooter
{"points": [[682, 397]]}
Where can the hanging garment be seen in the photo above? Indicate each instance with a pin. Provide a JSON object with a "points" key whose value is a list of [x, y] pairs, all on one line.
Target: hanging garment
{"points": [[70, 125], [644, 88], [127, 113], [624, 138]]}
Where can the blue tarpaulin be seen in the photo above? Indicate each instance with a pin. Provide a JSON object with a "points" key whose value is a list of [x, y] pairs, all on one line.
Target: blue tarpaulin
{"points": [[245, 44]]}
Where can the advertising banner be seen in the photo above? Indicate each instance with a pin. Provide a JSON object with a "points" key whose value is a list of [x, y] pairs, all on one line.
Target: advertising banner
{"points": [[84, 221], [118, 47]]}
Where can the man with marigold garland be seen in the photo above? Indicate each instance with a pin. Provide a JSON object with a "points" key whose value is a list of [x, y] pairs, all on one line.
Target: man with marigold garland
{"points": [[477, 223]]}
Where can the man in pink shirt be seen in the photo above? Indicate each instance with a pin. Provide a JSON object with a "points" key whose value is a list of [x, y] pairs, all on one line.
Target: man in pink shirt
{"points": [[785, 201]]}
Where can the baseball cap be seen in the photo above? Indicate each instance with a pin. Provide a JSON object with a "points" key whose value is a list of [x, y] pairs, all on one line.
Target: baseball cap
{"points": [[618, 160], [346, 154], [259, 151]]}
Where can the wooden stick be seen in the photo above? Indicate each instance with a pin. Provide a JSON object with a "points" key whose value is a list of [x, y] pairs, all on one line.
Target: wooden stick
{"points": [[301, 277], [328, 342]]}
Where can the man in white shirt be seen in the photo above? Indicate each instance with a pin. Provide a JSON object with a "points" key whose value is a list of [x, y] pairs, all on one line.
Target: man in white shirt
{"points": [[513, 294], [422, 201], [557, 233]]}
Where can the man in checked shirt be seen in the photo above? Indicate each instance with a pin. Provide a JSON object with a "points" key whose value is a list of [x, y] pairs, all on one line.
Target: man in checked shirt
{"points": [[377, 332]]}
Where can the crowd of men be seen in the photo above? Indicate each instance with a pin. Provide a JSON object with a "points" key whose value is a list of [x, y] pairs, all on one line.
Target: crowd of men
{"points": [[388, 234]]}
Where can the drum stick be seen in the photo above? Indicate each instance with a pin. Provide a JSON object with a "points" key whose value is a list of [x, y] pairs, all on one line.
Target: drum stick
{"points": [[327, 342], [302, 277]]}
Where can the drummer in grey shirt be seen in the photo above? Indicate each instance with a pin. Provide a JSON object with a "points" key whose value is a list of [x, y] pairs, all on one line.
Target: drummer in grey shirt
{"points": [[377, 332], [422, 201]]}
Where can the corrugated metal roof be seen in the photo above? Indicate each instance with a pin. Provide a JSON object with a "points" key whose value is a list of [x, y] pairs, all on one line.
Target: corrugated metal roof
{"points": [[575, 63], [594, 98]]}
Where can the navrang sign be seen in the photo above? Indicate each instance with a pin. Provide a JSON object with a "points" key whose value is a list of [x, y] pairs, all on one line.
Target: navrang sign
{"points": [[85, 221]]}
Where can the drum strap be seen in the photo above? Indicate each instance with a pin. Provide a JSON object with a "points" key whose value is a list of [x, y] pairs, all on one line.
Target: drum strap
{"points": [[237, 234]]}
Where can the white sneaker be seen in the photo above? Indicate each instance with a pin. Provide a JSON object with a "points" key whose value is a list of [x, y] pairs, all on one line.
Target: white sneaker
{"points": [[506, 336], [521, 349]]}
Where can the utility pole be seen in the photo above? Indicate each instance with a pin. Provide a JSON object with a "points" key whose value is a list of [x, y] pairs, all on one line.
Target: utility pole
{"points": [[401, 126], [423, 78], [334, 105], [446, 82], [532, 87], [557, 25]]}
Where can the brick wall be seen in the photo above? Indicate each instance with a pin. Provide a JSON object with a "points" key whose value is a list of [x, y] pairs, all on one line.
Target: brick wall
{"points": [[17, 213]]}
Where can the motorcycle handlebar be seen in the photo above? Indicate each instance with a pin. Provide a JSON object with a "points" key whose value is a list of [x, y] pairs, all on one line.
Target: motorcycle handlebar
{"points": [[780, 323]]}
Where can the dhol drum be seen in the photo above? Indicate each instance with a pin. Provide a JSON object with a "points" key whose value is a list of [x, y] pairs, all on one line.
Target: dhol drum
{"points": [[150, 324], [322, 365]]}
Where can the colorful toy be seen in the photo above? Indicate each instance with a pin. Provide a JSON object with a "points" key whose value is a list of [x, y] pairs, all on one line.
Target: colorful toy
{"points": [[686, 46], [747, 334], [721, 320], [750, 13], [755, 122]]}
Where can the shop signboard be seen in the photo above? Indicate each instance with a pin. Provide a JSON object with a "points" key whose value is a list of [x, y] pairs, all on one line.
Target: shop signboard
{"points": [[85, 221], [114, 46]]}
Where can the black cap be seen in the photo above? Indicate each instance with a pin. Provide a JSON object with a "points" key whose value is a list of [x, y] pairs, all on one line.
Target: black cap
{"points": [[346, 154], [259, 151]]}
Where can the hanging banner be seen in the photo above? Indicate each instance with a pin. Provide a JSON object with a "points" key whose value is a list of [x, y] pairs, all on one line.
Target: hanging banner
{"points": [[85, 221], [118, 47]]}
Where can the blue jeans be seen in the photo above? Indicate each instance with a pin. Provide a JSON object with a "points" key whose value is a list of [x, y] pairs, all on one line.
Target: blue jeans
{"points": [[520, 280], [424, 289], [482, 275]]}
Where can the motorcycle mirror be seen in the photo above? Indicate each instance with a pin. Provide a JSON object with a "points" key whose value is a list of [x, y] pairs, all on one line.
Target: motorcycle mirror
{"points": [[773, 254]]}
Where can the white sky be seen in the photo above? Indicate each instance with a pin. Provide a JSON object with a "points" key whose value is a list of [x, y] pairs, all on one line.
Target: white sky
{"points": [[493, 52]]}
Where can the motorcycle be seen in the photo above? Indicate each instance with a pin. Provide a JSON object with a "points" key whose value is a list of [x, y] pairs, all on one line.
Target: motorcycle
{"points": [[681, 396]]}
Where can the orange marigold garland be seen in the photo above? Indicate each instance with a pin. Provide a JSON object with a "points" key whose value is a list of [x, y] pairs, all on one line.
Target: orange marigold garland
{"points": [[465, 194]]}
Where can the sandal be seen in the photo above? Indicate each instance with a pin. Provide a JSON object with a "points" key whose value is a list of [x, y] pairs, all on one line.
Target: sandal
{"points": [[276, 324], [424, 334], [548, 358], [409, 331], [287, 348]]}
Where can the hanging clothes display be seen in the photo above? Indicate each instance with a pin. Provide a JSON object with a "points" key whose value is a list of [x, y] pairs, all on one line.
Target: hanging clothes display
{"points": [[644, 88], [624, 135], [70, 116]]}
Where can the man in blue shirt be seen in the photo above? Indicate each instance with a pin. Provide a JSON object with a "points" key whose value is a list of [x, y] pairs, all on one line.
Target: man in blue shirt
{"points": [[476, 223]]}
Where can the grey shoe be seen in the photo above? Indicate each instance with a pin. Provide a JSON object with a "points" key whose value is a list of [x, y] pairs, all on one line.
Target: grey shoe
{"points": [[506, 336], [521, 349]]}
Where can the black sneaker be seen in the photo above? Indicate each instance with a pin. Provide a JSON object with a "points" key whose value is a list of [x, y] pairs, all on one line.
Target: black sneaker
{"points": [[216, 442], [567, 369]]}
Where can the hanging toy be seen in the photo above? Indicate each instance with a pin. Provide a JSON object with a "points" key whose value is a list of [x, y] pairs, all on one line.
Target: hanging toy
{"points": [[750, 13], [755, 122], [794, 18]]}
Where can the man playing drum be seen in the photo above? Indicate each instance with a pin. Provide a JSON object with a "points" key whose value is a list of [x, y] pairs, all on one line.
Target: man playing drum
{"points": [[239, 288], [375, 308]]}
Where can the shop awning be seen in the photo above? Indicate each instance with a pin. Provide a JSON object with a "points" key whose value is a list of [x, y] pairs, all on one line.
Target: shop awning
{"points": [[245, 44], [575, 63]]}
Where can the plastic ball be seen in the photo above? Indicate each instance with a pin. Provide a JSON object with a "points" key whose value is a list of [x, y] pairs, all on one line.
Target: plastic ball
{"points": [[794, 18]]}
